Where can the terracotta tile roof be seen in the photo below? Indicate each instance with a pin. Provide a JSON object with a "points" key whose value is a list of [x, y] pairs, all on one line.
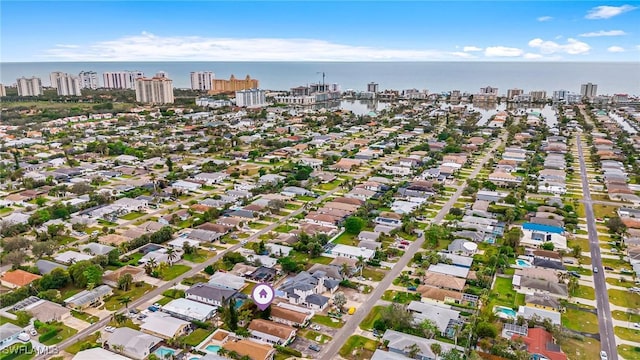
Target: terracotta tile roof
{"points": [[249, 348], [19, 277]]}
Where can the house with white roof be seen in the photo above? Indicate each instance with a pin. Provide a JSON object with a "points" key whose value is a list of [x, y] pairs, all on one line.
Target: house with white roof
{"points": [[165, 326], [132, 343], [189, 310], [351, 252]]}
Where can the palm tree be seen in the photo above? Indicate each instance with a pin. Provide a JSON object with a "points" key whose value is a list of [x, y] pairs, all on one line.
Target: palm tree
{"points": [[125, 300], [150, 266], [436, 349], [171, 255], [361, 264], [412, 350]]}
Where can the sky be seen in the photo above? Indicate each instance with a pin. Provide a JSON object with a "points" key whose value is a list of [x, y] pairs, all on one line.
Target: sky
{"points": [[46, 31]]}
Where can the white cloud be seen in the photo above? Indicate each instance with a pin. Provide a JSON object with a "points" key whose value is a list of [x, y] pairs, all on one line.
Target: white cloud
{"points": [[471, 48], [615, 49], [150, 47], [604, 33], [545, 18], [502, 51], [606, 12], [572, 47], [532, 56]]}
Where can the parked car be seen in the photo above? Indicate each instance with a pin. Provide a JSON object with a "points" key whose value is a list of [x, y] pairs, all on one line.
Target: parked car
{"points": [[573, 273], [608, 268], [404, 242], [109, 329], [314, 347], [33, 332], [316, 327], [603, 355], [636, 325]]}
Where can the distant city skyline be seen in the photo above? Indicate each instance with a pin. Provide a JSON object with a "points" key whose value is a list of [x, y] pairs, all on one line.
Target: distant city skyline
{"points": [[320, 31]]}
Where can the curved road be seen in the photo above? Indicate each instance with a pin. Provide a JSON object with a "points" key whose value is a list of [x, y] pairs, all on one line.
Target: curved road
{"points": [[605, 324]]}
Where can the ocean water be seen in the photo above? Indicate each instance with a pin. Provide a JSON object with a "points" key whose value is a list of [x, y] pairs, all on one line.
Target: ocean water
{"points": [[434, 76]]}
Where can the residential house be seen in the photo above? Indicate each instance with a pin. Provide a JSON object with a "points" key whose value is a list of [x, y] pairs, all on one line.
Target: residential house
{"points": [[401, 343], [88, 298], [271, 332], [290, 316], [111, 278], [132, 343], [98, 354], [166, 326], [351, 252], [442, 316], [225, 280], [306, 289], [540, 344], [189, 310], [209, 294], [17, 278], [211, 178], [46, 266], [47, 311], [9, 334], [252, 349]]}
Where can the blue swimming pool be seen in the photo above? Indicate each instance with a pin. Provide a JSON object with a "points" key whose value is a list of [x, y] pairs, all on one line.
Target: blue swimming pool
{"points": [[163, 351], [523, 263], [505, 312], [213, 348]]}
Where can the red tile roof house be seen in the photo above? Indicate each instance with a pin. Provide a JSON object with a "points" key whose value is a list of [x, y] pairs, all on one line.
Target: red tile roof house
{"points": [[540, 341]]}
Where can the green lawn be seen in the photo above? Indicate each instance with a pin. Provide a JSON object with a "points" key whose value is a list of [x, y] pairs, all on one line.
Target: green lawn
{"points": [[257, 225], [164, 301], [580, 270], [585, 292], [327, 321], [134, 258], [4, 320], [400, 297], [618, 282], [577, 320], [624, 298], [290, 206], [196, 337], [132, 215], [601, 211], [86, 343], [346, 239], [625, 316], [358, 347], [616, 264], [64, 332], [173, 272], [629, 352], [372, 316], [200, 256], [24, 349], [197, 278], [113, 303], [284, 228], [502, 293], [580, 349], [330, 185], [373, 274], [316, 336], [626, 333], [305, 198], [321, 260], [84, 316]]}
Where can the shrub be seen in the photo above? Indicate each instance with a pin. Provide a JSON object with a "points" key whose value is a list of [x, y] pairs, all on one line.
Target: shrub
{"points": [[288, 351], [49, 335]]}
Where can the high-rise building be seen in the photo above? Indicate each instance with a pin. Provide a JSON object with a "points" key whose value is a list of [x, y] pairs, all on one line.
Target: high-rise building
{"points": [[220, 86], [251, 98], [561, 95], [3, 91], [162, 74], [88, 80], [589, 90], [512, 93], [68, 85], [156, 90], [29, 87], [489, 90], [202, 80], [372, 87], [121, 79], [538, 95], [54, 78]]}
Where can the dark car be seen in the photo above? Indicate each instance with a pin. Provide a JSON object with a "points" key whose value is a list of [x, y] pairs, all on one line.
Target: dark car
{"points": [[608, 268], [314, 347]]}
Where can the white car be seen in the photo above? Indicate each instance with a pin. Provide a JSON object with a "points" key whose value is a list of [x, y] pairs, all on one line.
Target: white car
{"points": [[636, 325], [33, 332], [109, 329], [603, 355]]}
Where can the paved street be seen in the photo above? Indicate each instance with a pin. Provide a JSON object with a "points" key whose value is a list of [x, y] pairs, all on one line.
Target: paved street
{"points": [[330, 351], [158, 291], [607, 336]]}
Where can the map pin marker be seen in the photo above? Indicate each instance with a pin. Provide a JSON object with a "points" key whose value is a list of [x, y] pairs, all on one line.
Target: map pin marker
{"points": [[263, 294]]}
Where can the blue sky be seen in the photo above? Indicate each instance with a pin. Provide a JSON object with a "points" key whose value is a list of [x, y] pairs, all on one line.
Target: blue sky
{"points": [[319, 31]]}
